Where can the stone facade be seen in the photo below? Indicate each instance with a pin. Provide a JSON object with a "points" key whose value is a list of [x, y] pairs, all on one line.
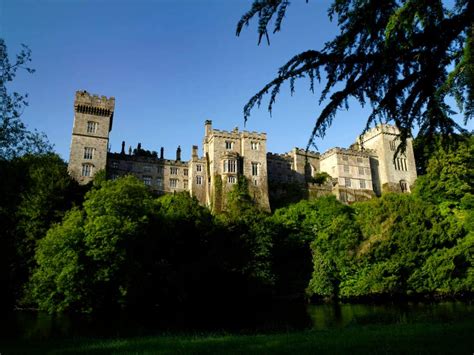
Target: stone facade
{"points": [[90, 135], [366, 169], [391, 172]]}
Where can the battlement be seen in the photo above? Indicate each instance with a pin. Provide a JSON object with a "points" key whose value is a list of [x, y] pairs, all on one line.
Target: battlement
{"points": [[379, 129], [344, 151], [236, 134], [304, 152], [94, 104], [278, 155]]}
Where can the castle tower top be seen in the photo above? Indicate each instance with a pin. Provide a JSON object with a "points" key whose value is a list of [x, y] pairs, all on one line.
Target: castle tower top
{"points": [[96, 105], [101, 102]]}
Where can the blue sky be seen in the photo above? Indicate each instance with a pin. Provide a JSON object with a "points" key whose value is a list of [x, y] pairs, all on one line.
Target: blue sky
{"points": [[170, 65]]}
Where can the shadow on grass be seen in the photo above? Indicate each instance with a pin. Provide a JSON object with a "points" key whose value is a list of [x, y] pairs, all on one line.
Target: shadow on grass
{"points": [[421, 338]]}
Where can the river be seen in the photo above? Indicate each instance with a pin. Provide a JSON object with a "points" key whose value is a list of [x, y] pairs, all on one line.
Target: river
{"points": [[270, 318]]}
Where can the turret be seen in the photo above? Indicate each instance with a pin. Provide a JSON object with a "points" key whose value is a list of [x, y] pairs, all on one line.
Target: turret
{"points": [[93, 116]]}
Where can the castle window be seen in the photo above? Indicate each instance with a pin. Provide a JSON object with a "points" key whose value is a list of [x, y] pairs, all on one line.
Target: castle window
{"points": [[392, 145], [185, 183], [362, 184], [367, 171], [199, 168], [88, 152], [255, 169], [346, 168], [255, 182], [345, 158], [404, 161], [147, 168], [160, 169], [403, 186], [359, 160], [230, 166], [159, 182], [199, 180], [174, 171], [173, 183], [147, 180], [361, 170], [347, 182], [185, 172], [115, 164], [92, 126], [87, 169], [229, 145], [231, 179], [254, 145]]}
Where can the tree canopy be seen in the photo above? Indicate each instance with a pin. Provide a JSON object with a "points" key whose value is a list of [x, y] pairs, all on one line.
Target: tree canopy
{"points": [[404, 57], [15, 138]]}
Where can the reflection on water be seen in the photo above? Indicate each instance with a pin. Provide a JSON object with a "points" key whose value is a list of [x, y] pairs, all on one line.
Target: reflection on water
{"points": [[344, 315], [274, 317]]}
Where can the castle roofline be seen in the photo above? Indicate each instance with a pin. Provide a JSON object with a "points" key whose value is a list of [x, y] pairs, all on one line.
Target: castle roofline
{"points": [[85, 98], [345, 151], [234, 134]]}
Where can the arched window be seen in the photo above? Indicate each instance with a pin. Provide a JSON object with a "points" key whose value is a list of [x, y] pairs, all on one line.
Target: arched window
{"points": [[403, 186]]}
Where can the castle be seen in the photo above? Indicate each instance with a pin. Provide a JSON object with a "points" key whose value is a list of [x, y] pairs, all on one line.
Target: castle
{"points": [[368, 168]]}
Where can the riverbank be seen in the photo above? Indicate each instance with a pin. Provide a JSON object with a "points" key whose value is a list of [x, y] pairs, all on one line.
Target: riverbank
{"points": [[424, 338]]}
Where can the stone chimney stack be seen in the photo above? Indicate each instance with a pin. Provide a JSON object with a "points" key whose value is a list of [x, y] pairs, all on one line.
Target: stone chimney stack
{"points": [[123, 148], [162, 153], [195, 152], [208, 127], [178, 153]]}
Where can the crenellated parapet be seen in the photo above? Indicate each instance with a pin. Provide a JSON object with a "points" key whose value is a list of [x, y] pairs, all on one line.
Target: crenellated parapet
{"points": [[346, 151], [236, 134], [94, 104]]}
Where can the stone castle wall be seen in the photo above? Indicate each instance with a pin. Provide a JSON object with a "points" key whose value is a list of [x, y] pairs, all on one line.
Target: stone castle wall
{"points": [[366, 169]]}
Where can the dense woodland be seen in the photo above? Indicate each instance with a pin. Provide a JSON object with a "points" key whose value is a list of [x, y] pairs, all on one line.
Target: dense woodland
{"points": [[114, 245]]}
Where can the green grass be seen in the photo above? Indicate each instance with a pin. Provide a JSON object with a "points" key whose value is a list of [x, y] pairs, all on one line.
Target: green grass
{"points": [[425, 338]]}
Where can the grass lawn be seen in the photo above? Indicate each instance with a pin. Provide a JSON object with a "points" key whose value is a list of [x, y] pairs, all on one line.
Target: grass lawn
{"points": [[426, 338]]}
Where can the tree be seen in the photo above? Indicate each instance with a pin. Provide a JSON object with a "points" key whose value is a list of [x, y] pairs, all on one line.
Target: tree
{"points": [[91, 261], [449, 173], [405, 57], [36, 192], [15, 138], [321, 236]]}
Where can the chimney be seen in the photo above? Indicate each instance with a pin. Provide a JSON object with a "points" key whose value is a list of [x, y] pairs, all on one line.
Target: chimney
{"points": [[178, 153], [123, 148], [208, 127], [195, 152], [162, 153]]}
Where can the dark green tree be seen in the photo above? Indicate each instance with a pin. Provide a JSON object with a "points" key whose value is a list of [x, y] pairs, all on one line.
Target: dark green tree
{"points": [[326, 228], [36, 192], [15, 138], [404, 57], [449, 173]]}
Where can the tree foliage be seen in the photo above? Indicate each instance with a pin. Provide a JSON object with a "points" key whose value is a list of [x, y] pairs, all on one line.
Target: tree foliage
{"points": [[403, 57], [15, 138], [35, 192]]}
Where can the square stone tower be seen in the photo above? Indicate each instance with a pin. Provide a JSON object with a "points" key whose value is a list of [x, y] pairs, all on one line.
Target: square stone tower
{"points": [[90, 135], [390, 172], [231, 155]]}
